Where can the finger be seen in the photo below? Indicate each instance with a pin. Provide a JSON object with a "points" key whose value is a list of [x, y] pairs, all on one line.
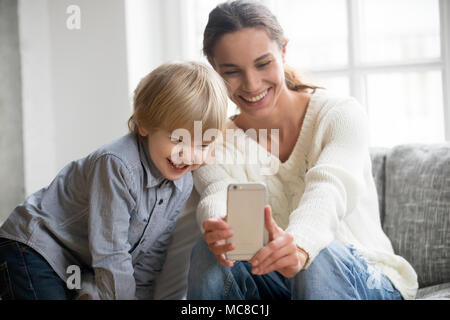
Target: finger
{"points": [[224, 261], [217, 235], [286, 262], [270, 223], [218, 248], [215, 224], [275, 256], [267, 250]]}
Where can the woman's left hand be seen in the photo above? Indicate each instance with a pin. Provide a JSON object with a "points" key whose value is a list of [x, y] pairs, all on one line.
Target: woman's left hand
{"points": [[280, 254]]}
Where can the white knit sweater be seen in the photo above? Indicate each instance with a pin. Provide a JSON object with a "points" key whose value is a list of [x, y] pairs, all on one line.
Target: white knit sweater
{"points": [[324, 191]]}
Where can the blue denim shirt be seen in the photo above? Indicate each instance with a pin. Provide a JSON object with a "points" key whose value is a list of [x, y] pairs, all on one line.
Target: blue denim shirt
{"points": [[111, 213]]}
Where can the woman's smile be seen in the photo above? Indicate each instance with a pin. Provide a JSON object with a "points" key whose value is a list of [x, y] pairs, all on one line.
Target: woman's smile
{"points": [[255, 100]]}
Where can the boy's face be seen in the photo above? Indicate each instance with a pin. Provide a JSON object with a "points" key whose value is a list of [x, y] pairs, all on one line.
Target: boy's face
{"points": [[171, 156]]}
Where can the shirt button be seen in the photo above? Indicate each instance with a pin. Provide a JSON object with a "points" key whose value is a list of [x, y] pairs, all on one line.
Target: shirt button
{"points": [[161, 201]]}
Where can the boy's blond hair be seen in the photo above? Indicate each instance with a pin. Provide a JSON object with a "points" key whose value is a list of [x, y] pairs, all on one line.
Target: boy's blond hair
{"points": [[176, 94]]}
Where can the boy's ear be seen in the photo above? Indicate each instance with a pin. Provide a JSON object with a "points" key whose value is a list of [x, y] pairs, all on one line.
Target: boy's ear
{"points": [[142, 131]]}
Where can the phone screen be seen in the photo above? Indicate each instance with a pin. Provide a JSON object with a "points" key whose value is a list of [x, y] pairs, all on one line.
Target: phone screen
{"points": [[245, 215]]}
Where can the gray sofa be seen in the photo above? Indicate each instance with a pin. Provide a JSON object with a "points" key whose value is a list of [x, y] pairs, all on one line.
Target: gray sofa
{"points": [[413, 184]]}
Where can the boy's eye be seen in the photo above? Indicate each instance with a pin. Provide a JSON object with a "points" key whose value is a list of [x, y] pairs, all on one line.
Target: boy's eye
{"points": [[203, 146], [176, 140]]}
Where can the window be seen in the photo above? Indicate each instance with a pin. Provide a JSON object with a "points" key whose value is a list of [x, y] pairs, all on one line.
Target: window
{"points": [[392, 55]]}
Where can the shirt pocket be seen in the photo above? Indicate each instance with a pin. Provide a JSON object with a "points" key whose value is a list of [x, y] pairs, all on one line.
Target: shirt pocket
{"points": [[137, 227], [161, 233], [154, 247]]}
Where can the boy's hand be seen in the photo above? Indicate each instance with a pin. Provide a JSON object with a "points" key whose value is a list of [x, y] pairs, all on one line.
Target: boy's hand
{"points": [[217, 231]]}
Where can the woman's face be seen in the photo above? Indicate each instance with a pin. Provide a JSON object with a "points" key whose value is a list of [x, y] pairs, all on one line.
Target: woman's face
{"points": [[252, 66]]}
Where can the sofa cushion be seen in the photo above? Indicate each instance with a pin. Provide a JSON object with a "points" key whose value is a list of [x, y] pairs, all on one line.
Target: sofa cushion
{"points": [[378, 156], [437, 292], [417, 212]]}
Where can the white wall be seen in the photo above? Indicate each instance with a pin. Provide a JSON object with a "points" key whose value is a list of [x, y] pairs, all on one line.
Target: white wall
{"points": [[143, 20], [153, 35], [38, 114], [75, 83], [11, 146]]}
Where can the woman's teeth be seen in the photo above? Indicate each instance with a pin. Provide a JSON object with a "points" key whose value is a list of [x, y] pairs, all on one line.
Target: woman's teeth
{"points": [[257, 98]]}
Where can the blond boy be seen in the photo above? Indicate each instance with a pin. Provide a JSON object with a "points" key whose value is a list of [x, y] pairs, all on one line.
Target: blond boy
{"points": [[112, 213]]}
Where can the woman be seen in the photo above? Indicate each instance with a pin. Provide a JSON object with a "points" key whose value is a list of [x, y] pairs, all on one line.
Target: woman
{"points": [[325, 239]]}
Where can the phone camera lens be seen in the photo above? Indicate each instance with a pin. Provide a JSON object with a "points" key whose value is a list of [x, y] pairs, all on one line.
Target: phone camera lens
{"points": [[234, 187]]}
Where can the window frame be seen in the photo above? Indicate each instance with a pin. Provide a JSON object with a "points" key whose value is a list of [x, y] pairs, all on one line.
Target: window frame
{"points": [[355, 70], [444, 12]]}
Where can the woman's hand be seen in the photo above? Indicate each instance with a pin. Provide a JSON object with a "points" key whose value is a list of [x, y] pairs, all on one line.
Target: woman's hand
{"points": [[217, 231], [280, 254]]}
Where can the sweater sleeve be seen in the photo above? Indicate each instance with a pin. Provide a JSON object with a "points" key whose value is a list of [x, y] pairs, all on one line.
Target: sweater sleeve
{"points": [[334, 183]]}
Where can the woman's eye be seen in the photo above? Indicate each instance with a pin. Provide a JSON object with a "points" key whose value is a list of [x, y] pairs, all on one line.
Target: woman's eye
{"points": [[262, 65], [229, 73]]}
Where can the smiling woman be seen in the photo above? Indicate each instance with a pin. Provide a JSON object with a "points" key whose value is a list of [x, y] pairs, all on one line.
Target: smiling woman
{"points": [[401, 46], [325, 239]]}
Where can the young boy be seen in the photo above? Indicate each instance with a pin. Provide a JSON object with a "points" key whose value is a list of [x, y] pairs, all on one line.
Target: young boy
{"points": [[112, 213]]}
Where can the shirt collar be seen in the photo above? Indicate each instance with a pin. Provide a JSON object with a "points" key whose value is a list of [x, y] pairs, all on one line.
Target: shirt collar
{"points": [[153, 176]]}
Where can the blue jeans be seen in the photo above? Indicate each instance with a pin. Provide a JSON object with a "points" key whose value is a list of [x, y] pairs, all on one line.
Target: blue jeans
{"points": [[337, 273], [26, 275]]}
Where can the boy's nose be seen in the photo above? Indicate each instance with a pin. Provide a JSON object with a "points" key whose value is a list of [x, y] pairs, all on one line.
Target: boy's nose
{"points": [[191, 156]]}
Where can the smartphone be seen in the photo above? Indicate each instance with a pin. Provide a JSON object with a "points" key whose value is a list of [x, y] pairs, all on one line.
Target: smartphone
{"points": [[245, 216]]}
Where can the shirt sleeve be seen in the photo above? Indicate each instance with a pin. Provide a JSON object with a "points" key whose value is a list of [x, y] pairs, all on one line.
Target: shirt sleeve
{"points": [[110, 205], [334, 184]]}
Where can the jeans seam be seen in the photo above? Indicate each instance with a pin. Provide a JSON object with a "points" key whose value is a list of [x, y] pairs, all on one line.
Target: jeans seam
{"points": [[6, 243], [11, 292], [374, 274], [26, 270], [354, 283], [228, 284]]}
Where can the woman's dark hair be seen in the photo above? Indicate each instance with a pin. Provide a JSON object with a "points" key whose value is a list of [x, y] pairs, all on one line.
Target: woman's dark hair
{"points": [[232, 16]]}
